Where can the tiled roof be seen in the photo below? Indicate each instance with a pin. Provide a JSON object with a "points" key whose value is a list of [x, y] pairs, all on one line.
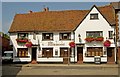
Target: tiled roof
{"points": [[66, 20], [109, 13], [116, 5]]}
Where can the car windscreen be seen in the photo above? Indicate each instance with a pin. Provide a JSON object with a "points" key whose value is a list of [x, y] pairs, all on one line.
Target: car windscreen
{"points": [[8, 54]]}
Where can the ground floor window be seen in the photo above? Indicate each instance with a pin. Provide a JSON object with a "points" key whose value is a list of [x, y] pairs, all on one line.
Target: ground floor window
{"points": [[64, 52], [94, 51], [47, 52], [22, 52]]}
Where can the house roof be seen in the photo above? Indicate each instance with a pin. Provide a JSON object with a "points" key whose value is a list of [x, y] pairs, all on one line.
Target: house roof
{"points": [[116, 5], [66, 20]]}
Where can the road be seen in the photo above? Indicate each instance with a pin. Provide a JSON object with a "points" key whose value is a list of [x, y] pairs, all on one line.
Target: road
{"points": [[59, 71]]}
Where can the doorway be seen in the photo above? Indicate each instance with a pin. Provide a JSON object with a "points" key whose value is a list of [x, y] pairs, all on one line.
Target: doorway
{"points": [[79, 54], [34, 54], [110, 55]]}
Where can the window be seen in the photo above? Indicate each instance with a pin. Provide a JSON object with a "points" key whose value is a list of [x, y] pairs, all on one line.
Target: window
{"points": [[56, 52], [94, 16], [22, 52], [47, 36], [94, 33], [8, 54], [22, 35], [47, 52], [110, 34], [65, 36], [94, 51], [64, 52]]}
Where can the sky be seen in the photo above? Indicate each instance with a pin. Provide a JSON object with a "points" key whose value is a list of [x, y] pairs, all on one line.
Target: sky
{"points": [[0, 16], [59, 0], [9, 9]]}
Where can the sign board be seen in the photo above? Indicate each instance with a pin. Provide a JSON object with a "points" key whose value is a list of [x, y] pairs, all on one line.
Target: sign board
{"points": [[55, 44]]}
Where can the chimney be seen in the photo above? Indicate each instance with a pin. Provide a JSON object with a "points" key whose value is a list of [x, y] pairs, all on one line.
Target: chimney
{"points": [[46, 9], [30, 11]]}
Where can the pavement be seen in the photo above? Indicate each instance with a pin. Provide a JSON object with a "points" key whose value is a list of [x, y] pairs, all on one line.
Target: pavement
{"points": [[60, 69], [71, 69], [68, 65]]}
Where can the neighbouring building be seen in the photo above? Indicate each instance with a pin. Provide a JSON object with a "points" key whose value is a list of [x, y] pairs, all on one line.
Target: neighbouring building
{"points": [[4, 43], [116, 6], [45, 36]]}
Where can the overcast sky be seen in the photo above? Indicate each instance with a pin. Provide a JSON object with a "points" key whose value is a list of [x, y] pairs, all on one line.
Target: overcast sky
{"points": [[9, 9]]}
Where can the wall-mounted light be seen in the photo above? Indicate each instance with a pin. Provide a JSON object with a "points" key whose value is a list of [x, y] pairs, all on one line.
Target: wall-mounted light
{"points": [[79, 35]]}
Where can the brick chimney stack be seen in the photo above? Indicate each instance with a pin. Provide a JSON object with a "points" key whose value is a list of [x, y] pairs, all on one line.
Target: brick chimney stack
{"points": [[30, 11], [46, 9]]}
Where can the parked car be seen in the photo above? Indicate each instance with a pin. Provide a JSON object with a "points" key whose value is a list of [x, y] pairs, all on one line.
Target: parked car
{"points": [[8, 56]]}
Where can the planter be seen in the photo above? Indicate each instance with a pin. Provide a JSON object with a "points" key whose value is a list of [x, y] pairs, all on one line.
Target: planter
{"points": [[89, 39], [107, 43], [28, 44], [99, 39], [22, 40]]}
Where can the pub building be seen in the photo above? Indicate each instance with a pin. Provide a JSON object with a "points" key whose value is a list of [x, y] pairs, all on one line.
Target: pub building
{"points": [[64, 36]]}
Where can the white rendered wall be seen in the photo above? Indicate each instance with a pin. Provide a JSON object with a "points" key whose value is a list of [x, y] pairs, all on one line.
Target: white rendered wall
{"points": [[99, 24], [43, 44]]}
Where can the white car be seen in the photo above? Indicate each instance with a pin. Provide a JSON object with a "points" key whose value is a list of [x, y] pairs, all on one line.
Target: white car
{"points": [[8, 56]]}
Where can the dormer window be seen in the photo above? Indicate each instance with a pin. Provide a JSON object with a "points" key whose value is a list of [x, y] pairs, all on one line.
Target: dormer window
{"points": [[94, 16]]}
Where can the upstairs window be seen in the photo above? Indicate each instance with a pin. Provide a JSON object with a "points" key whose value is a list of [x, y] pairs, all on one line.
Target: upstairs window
{"points": [[94, 33], [47, 36], [23, 35], [110, 34], [65, 36], [93, 16]]}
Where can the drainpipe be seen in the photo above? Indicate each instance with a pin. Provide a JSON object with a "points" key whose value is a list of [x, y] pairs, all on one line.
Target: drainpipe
{"points": [[75, 46], [115, 42]]}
